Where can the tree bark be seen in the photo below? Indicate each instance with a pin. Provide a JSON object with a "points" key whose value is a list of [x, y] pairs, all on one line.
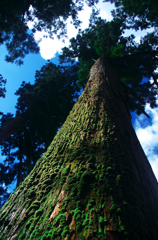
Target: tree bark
{"points": [[94, 181]]}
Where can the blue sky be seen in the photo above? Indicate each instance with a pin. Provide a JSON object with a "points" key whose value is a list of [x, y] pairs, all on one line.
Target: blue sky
{"points": [[15, 75], [146, 129]]}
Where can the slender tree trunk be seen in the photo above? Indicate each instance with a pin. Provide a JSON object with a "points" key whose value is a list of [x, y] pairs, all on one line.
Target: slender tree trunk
{"points": [[30, 145], [94, 181], [20, 160], [11, 127]]}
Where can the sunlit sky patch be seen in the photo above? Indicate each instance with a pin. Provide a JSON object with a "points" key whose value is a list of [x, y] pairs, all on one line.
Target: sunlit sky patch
{"points": [[147, 132]]}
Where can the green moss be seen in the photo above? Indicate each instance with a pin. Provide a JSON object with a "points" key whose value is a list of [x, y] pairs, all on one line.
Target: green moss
{"points": [[38, 213], [22, 235], [77, 214], [60, 218], [65, 231], [90, 204]]}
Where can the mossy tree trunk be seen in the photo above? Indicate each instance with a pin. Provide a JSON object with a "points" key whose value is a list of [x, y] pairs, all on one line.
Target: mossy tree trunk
{"points": [[94, 181]]}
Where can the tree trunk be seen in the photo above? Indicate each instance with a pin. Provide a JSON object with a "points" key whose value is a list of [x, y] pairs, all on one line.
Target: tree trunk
{"points": [[19, 175], [94, 181]]}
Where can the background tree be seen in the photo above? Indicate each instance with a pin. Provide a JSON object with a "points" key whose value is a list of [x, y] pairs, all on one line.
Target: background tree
{"points": [[49, 100], [41, 110], [9, 166], [3, 169]]}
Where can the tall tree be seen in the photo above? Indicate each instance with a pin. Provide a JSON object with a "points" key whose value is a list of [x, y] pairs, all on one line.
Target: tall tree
{"points": [[8, 167], [101, 39], [95, 159], [94, 181]]}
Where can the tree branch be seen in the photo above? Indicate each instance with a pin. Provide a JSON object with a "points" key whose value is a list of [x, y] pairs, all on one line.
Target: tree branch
{"points": [[153, 53]]}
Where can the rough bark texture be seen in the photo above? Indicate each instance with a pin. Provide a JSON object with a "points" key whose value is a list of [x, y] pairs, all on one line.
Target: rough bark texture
{"points": [[94, 181]]}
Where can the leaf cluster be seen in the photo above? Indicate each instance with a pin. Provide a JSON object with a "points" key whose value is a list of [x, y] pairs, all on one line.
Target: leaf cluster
{"points": [[139, 14]]}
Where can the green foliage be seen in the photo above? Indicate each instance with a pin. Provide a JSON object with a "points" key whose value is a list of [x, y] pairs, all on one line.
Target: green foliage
{"points": [[131, 61], [138, 14], [14, 17], [48, 101], [8, 169], [2, 88]]}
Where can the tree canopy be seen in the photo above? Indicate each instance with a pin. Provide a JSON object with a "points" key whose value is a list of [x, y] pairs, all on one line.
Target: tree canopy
{"points": [[139, 14], [49, 15], [131, 60]]}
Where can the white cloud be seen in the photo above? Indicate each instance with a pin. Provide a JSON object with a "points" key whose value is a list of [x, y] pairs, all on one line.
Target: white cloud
{"points": [[148, 137], [105, 10], [154, 165], [48, 47]]}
